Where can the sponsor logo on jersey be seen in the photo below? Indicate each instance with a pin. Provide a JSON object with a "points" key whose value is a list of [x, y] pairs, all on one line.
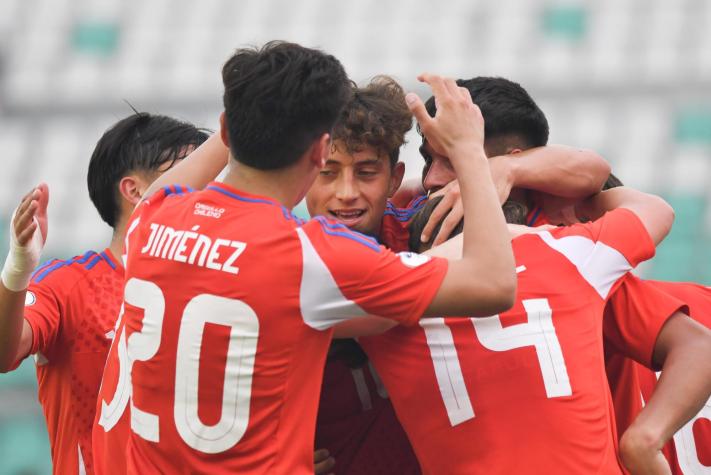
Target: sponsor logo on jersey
{"points": [[208, 211], [30, 298], [411, 259]]}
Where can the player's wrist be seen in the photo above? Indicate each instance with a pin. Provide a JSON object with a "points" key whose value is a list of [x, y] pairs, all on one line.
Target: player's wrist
{"points": [[17, 270], [21, 262]]}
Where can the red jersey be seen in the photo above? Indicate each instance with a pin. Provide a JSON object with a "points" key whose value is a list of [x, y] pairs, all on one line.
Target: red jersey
{"points": [[71, 307], [394, 232], [228, 308], [632, 384], [524, 391], [356, 420]]}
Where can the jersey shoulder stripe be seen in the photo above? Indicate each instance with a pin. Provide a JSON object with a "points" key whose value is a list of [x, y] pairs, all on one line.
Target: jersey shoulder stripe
{"points": [[88, 261], [405, 214], [340, 230]]}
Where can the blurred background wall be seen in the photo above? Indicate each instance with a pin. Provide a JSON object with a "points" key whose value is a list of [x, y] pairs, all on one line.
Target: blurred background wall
{"points": [[630, 79]]}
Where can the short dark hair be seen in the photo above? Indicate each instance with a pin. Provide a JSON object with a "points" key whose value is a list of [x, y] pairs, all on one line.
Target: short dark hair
{"points": [[278, 99], [376, 116], [508, 111], [141, 142], [514, 212]]}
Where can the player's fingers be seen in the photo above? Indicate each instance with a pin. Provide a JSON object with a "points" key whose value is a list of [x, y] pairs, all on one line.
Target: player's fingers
{"points": [[24, 219], [417, 107], [448, 224], [452, 88], [43, 198], [24, 237], [25, 202], [437, 84], [464, 94], [440, 211]]}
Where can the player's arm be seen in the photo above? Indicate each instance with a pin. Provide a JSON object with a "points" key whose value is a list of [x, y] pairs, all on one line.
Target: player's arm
{"points": [[683, 351], [483, 281], [556, 171], [198, 169], [656, 215], [27, 235]]}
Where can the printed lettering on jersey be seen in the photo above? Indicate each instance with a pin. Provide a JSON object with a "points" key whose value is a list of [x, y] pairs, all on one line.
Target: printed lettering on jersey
{"points": [[194, 248], [209, 211]]}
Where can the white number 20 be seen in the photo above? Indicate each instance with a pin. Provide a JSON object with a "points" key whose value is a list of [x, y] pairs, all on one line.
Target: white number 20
{"points": [[538, 332], [144, 345]]}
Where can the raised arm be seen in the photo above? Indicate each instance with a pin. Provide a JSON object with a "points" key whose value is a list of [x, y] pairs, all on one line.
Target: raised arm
{"points": [[483, 281], [557, 170], [28, 233], [199, 168], [655, 213]]}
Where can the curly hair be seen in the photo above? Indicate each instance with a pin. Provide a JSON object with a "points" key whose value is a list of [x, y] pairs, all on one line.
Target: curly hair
{"points": [[376, 116]]}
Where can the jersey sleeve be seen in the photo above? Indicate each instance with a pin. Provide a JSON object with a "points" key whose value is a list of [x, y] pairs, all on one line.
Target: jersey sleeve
{"points": [[43, 311], [634, 317], [604, 250], [346, 274]]}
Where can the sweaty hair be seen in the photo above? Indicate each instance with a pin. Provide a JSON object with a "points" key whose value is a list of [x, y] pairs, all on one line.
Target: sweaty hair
{"points": [[509, 112], [278, 99], [514, 212], [141, 142], [376, 116]]}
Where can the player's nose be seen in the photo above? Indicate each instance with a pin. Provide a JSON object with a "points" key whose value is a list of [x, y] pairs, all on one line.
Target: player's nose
{"points": [[439, 174]]}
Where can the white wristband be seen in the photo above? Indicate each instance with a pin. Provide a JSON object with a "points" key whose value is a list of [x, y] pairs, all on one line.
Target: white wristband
{"points": [[21, 260]]}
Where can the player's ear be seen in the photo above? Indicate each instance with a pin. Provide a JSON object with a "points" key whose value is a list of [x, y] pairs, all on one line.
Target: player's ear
{"points": [[320, 150], [223, 131], [398, 172], [514, 151], [131, 189]]}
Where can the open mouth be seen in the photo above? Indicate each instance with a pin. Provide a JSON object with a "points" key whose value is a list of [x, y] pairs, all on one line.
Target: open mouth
{"points": [[346, 215]]}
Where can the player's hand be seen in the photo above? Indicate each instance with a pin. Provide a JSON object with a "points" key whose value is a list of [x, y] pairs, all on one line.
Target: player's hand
{"points": [[28, 234], [30, 215], [641, 455], [458, 123], [502, 175], [323, 462], [449, 211]]}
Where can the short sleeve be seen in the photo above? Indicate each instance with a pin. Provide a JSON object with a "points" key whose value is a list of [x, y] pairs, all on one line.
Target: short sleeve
{"points": [[43, 310], [346, 274], [603, 250], [634, 317]]}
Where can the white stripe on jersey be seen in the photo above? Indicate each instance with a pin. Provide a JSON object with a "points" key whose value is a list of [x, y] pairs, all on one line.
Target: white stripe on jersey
{"points": [[322, 302], [599, 264]]}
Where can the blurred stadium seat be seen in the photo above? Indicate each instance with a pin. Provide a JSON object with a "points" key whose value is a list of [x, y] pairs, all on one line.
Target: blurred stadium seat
{"points": [[630, 79]]}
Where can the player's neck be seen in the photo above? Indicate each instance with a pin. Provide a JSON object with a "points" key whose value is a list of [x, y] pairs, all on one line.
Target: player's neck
{"points": [[117, 241], [287, 186]]}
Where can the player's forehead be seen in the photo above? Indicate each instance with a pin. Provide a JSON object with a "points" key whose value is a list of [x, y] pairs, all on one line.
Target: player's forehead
{"points": [[363, 156], [426, 149]]}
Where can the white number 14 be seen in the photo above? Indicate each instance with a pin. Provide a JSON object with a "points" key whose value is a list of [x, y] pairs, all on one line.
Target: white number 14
{"points": [[538, 332]]}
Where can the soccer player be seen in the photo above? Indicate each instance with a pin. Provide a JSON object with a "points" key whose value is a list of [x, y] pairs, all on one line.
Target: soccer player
{"points": [[356, 421], [630, 375], [662, 330], [230, 298], [64, 313]]}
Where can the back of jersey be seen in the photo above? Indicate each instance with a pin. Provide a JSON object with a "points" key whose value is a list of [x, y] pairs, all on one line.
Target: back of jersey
{"points": [[197, 334], [228, 303]]}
